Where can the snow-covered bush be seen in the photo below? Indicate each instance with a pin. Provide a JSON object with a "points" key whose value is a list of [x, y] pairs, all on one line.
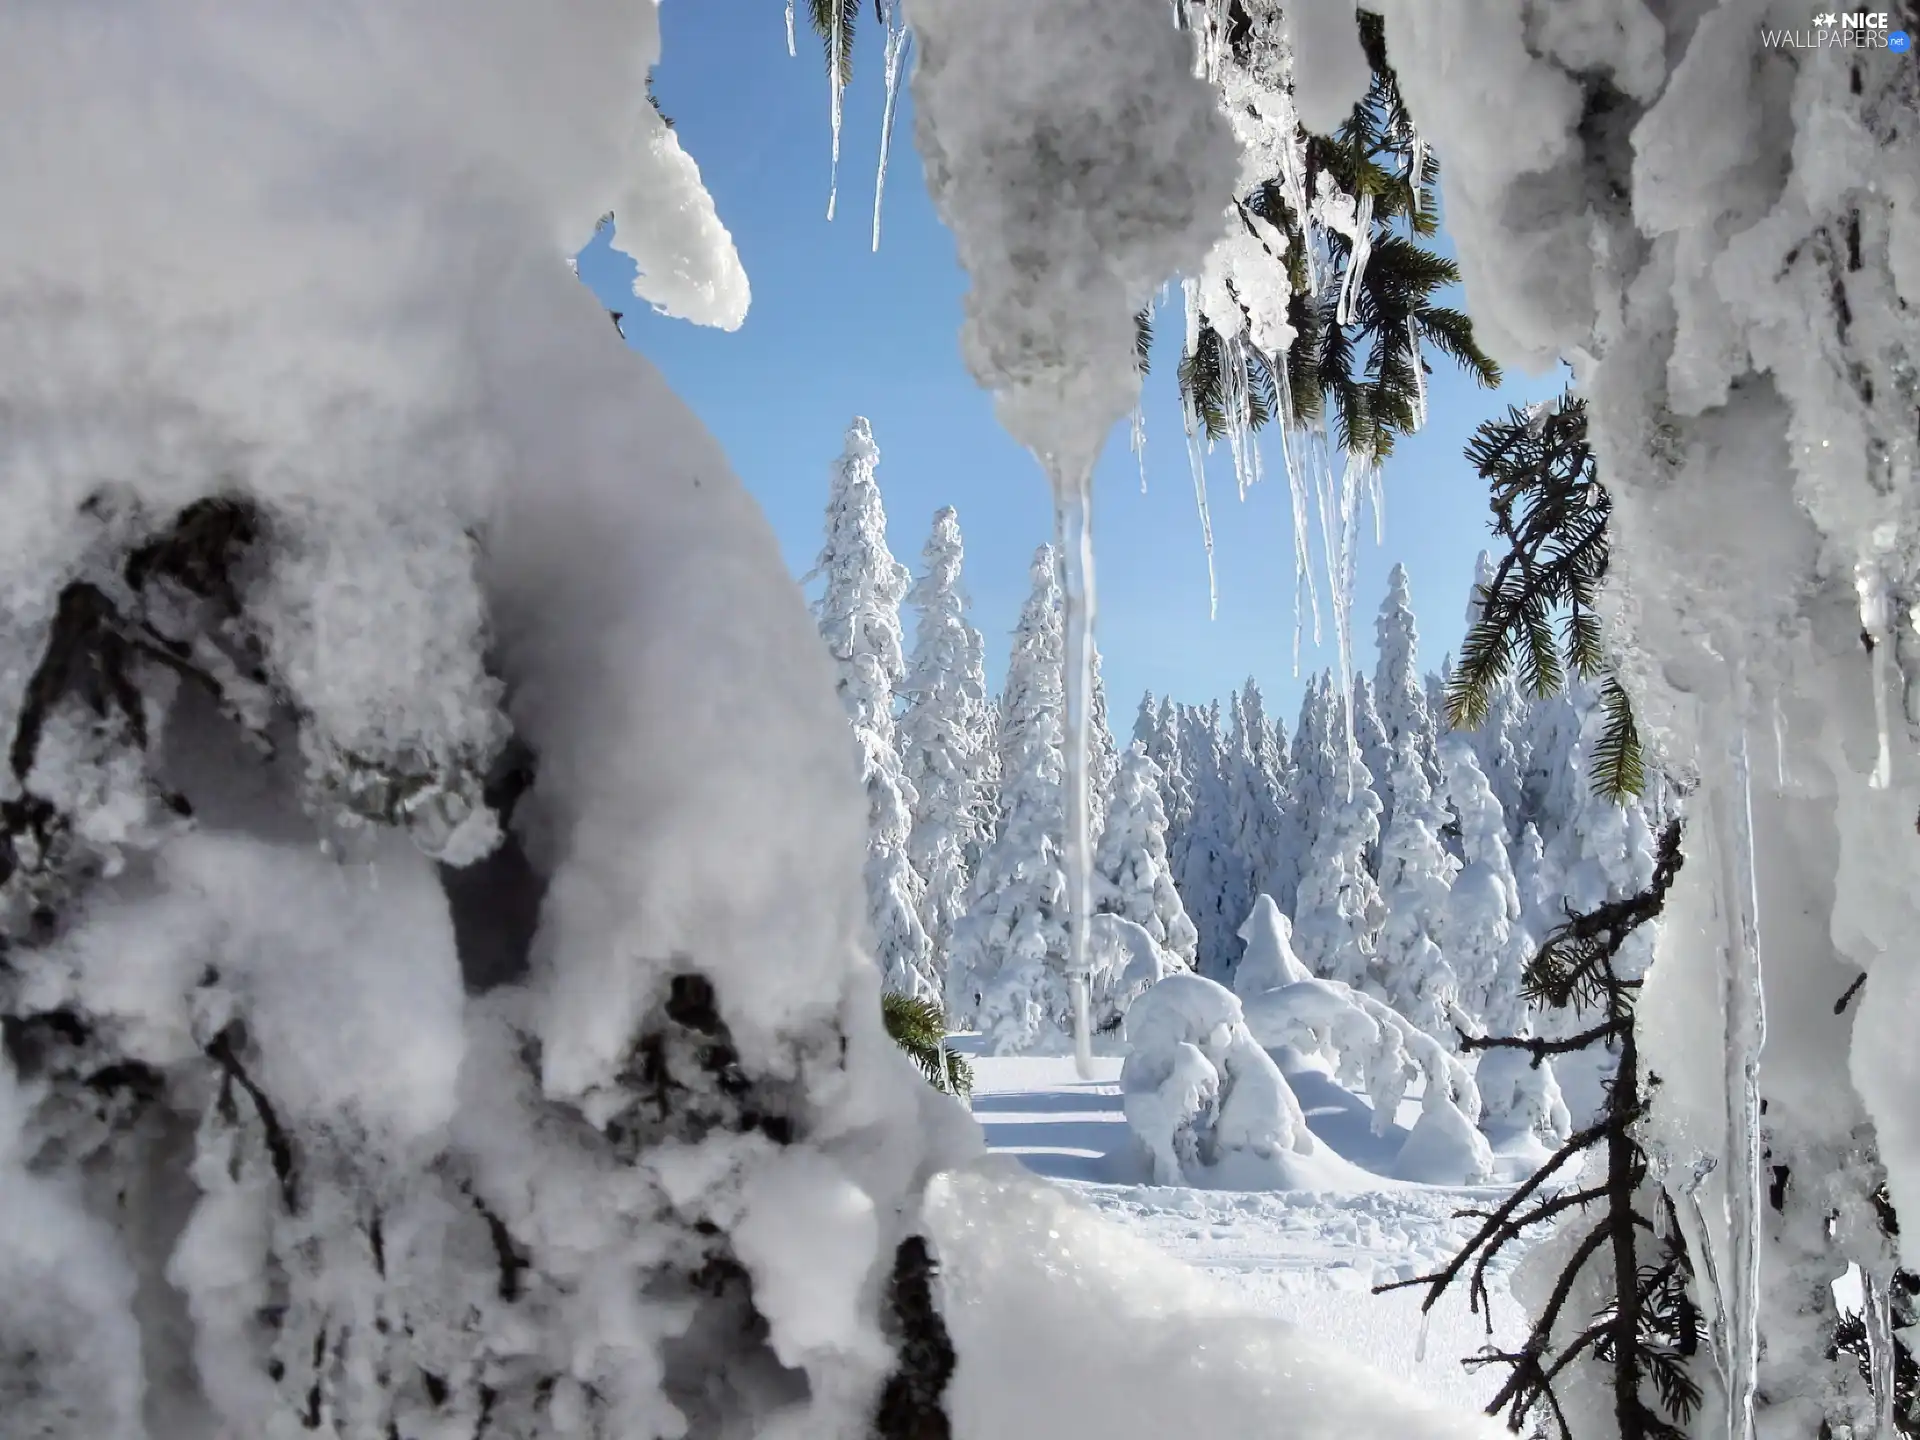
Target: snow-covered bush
{"points": [[1202, 1097], [1379, 1052], [1410, 966], [1125, 962], [1520, 1096], [1268, 962]]}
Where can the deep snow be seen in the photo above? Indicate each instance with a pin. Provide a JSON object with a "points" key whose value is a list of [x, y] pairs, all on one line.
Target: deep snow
{"points": [[1309, 1257]]}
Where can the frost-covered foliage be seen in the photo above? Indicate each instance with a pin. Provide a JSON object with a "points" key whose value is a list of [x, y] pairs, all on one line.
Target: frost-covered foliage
{"points": [[1380, 1053], [1410, 964], [1370, 742], [1132, 875], [945, 735], [1007, 969], [359, 581], [1205, 1102], [859, 610], [1315, 754], [1126, 962], [1501, 741]]}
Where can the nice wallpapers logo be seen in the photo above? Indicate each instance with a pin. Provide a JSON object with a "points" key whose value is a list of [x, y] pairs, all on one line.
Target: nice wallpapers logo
{"points": [[1848, 30]]}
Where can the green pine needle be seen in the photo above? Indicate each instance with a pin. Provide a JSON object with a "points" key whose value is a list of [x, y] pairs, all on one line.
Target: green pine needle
{"points": [[919, 1027]]}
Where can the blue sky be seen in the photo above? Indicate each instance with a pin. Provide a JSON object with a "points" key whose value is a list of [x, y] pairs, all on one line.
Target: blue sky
{"points": [[836, 331]]}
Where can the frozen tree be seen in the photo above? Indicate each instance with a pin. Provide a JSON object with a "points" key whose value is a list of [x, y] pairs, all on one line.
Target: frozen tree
{"points": [[1007, 966], [1547, 785], [1176, 789], [1542, 897], [1604, 850], [1104, 759], [1206, 865], [1399, 690], [859, 614], [1133, 876], [1487, 942], [1410, 965], [1146, 723], [1339, 909], [944, 735]]}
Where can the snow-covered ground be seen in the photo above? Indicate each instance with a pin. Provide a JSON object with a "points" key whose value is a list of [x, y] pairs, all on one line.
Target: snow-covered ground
{"points": [[1311, 1257]]}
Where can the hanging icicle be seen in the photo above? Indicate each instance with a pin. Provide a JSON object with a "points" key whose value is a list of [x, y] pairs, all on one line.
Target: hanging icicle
{"points": [[791, 52], [1874, 634], [1137, 442], [836, 62], [1876, 1308], [1073, 521], [898, 38], [1746, 1034]]}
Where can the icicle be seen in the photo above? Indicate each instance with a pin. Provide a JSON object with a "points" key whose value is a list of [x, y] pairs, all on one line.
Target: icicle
{"points": [[1196, 458], [897, 38], [1293, 439], [1877, 1311], [1137, 442], [1779, 744], [790, 50], [1746, 1022], [835, 58], [1874, 631], [1357, 263], [1073, 520], [1692, 1221], [1419, 377], [1420, 1340]]}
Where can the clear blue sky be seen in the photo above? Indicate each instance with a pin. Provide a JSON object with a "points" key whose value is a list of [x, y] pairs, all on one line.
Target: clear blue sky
{"points": [[836, 331]]}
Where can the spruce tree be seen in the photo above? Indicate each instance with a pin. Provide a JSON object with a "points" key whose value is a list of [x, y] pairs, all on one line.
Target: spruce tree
{"points": [[1205, 865], [1486, 940], [1370, 740], [944, 733], [1133, 876], [859, 615], [1399, 688], [1338, 911], [1500, 739], [1253, 793], [1411, 964], [1312, 794], [1007, 968]]}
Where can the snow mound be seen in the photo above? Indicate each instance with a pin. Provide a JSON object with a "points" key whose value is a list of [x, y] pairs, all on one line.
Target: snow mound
{"points": [[1068, 1327], [1207, 1105]]}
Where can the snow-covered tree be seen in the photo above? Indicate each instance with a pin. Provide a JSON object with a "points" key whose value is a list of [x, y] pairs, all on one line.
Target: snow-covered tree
{"points": [[1502, 741], [1253, 793], [1411, 965], [944, 734], [1399, 688], [1103, 754], [859, 614], [1339, 911], [1370, 742], [1007, 965], [1176, 789], [1486, 941], [1206, 866], [1604, 850], [1146, 723], [1132, 874], [1314, 757]]}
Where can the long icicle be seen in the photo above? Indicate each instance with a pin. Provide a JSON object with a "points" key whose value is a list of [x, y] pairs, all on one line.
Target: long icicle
{"points": [[1746, 1034], [791, 52], [1877, 1312], [836, 59], [1073, 522], [897, 39]]}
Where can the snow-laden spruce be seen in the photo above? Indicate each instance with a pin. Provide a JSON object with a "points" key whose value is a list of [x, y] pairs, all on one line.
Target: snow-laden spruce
{"points": [[1206, 861], [1253, 793], [1317, 751], [944, 736], [1486, 939], [1133, 877], [859, 610], [1007, 969], [1338, 915], [1410, 965], [1399, 689]]}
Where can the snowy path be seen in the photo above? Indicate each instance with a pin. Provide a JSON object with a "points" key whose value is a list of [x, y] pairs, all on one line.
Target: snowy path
{"points": [[1310, 1257]]}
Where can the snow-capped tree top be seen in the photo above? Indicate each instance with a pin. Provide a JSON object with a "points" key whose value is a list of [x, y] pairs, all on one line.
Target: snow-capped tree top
{"points": [[859, 606], [1476, 593], [1146, 722], [1398, 688], [1269, 961]]}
